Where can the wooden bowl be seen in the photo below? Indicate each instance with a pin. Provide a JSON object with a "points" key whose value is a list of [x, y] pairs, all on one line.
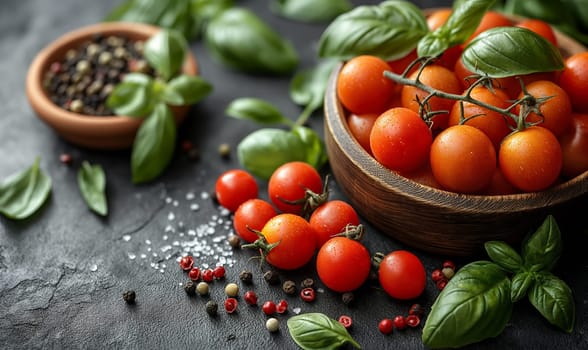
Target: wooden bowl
{"points": [[430, 219], [98, 132]]}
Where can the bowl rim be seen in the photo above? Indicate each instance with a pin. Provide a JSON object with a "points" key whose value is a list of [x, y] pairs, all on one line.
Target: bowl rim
{"points": [[94, 125]]}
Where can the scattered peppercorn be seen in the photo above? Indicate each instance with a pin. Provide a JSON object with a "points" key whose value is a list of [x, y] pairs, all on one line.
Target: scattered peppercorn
{"points": [[194, 274], [219, 272], [282, 306], [129, 296], [186, 262], [399, 322], [208, 275], [417, 309], [246, 276], [346, 321], [289, 287], [224, 150], [202, 288], [268, 308], [231, 305], [250, 298], [190, 288], [234, 241], [449, 264], [66, 158], [441, 284], [413, 320], [348, 298], [307, 294], [307, 283], [386, 326], [448, 272], [211, 307], [271, 277], [272, 324], [232, 290]]}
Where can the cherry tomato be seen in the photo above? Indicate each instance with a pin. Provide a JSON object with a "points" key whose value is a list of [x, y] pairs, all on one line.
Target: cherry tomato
{"points": [[574, 146], [540, 27], [360, 127], [295, 241], [331, 218], [252, 215], [402, 275], [234, 187], [574, 80], [491, 19], [289, 183], [530, 159], [362, 87], [343, 264], [400, 140], [463, 159]]}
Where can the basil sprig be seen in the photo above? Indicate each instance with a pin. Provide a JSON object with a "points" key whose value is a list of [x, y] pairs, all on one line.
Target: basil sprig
{"points": [[239, 39], [143, 96], [310, 10], [389, 30], [23, 193], [92, 185], [318, 331], [477, 302]]}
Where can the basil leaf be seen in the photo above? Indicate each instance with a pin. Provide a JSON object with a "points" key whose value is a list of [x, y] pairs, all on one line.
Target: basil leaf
{"points": [[154, 145], [520, 285], [318, 331], [474, 305], [314, 147], [308, 87], [310, 10], [165, 52], [542, 249], [133, 97], [187, 90], [257, 110], [504, 256], [510, 51], [203, 11], [264, 150], [461, 24], [92, 184], [239, 39], [554, 300], [23, 193], [389, 30]]}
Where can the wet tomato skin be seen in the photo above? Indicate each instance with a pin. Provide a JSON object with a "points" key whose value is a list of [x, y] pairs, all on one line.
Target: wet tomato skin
{"points": [[295, 241], [343, 264], [402, 275]]}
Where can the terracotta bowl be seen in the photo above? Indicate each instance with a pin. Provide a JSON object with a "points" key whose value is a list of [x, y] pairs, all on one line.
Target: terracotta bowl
{"points": [[98, 132], [427, 218]]}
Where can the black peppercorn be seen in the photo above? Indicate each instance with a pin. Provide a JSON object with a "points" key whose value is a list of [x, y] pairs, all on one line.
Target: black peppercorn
{"points": [[234, 241], [211, 307], [190, 288], [271, 277], [246, 276], [129, 296], [289, 287], [224, 150], [307, 283], [347, 298]]}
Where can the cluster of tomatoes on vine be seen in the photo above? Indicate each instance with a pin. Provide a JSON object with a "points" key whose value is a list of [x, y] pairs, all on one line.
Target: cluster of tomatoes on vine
{"points": [[485, 136], [299, 222]]}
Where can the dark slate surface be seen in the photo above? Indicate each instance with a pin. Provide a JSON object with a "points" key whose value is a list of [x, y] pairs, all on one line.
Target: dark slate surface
{"points": [[63, 272]]}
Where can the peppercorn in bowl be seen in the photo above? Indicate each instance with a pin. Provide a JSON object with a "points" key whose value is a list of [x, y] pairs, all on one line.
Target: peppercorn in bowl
{"points": [[69, 80]]}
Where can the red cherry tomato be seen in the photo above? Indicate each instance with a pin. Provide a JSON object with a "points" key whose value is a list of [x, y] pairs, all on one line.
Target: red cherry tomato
{"points": [[402, 275], [234, 187], [343, 264], [288, 185], [331, 218], [574, 146], [295, 241], [252, 215]]}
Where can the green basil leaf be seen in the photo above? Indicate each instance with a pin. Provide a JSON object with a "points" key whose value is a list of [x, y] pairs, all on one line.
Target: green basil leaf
{"points": [[154, 145], [461, 24], [187, 90], [520, 285], [318, 331], [543, 248], [264, 150], [510, 51], [554, 300], [316, 152], [23, 193], [308, 87], [257, 110], [310, 10], [239, 39], [204, 10], [389, 30], [165, 52], [504, 255], [92, 184], [474, 305], [133, 97]]}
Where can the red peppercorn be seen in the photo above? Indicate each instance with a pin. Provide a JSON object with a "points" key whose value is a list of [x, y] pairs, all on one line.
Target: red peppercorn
{"points": [[413, 320], [231, 305], [385, 326], [346, 321], [449, 264], [250, 298], [186, 262], [268, 308], [282, 306], [417, 309], [65, 158], [194, 274], [437, 275], [219, 272], [400, 322], [55, 67], [208, 275], [307, 294], [441, 283]]}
